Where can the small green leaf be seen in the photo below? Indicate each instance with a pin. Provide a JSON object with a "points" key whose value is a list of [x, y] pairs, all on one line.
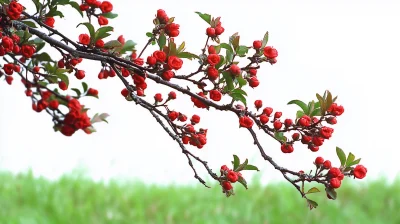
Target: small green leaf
{"points": [[128, 46], [181, 47], [242, 181], [313, 190], [205, 17], [99, 118], [77, 91], [75, 5], [85, 86], [242, 51], [51, 78], [149, 34], [316, 112], [341, 155], [235, 42], [30, 24], [112, 44], [221, 62], [102, 32], [43, 57], [63, 78], [312, 204], [242, 82], [331, 192], [110, 15], [239, 97], [355, 162], [301, 104], [280, 136], [236, 162], [162, 40], [322, 104], [350, 158], [299, 114], [226, 46], [265, 40], [229, 57], [329, 99], [90, 28], [239, 91], [187, 55], [242, 166], [250, 167], [228, 79]]}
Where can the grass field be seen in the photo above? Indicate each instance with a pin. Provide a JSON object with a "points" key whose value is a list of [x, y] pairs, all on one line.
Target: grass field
{"points": [[75, 200]]}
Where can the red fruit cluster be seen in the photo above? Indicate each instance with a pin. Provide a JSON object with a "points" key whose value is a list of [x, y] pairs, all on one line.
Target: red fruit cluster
{"points": [[228, 177], [75, 119], [215, 30], [10, 44], [91, 5], [170, 28], [9, 69], [14, 10], [189, 134]]}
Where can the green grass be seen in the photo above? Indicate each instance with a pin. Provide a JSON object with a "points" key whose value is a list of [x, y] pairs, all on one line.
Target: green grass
{"points": [[75, 200]]}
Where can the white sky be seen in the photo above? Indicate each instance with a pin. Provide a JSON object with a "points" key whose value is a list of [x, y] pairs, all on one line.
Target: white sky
{"points": [[349, 48]]}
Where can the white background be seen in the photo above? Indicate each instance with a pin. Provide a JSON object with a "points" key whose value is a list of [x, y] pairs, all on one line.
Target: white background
{"points": [[348, 47]]}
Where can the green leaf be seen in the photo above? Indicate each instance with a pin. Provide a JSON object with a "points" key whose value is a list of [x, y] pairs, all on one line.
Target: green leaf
{"points": [[90, 27], [221, 62], [63, 78], [205, 17], [242, 166], [242, 50], [355, 162], [77, 91], [250, 167], [280, 136], [312, 204], [265, 40], [301, 104], [112, 44], [242, 181], [322, 103], [313, 190], [102, 32], [242, 82], [350, 158], [172, 49], [329, 100], [226, 46], [30, 24], [341, 155], [51, 78], [43, 57], [316, 112], [228, 79], [162, 40], [299, 114], [75, 5], [239, 97], [85, 86], [239, 91], [149, 34], [39, 46], [37, 5], [331, 192], [99, 118], [187, 55], [235, 42], [229, 57], [236, 162], [181, 47], [128, 46], [110, 15]]}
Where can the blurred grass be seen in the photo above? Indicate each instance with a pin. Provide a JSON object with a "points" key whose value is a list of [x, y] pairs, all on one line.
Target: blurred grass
{"points": [[74, 199]]}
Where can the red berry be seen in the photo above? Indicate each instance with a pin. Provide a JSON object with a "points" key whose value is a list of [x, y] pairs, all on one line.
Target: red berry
{"points": [[327, 164], [335, 182], [295, 136], [80, 74], [319, 161], [62, 85], [313, 148], [158, 97], [253, 82], [253, 72], [195, 119], [125, 92], [360, 172], [257, 44], [9, 79], [172, 95], [210, 32], [268, 111], [288, 122], [54, 104], [277, 115], [28, 92], [232, 176], [264, 118], [277, 125], [227, 185], [258, 104], [286, 148], [93, 92], [235, 70]]}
